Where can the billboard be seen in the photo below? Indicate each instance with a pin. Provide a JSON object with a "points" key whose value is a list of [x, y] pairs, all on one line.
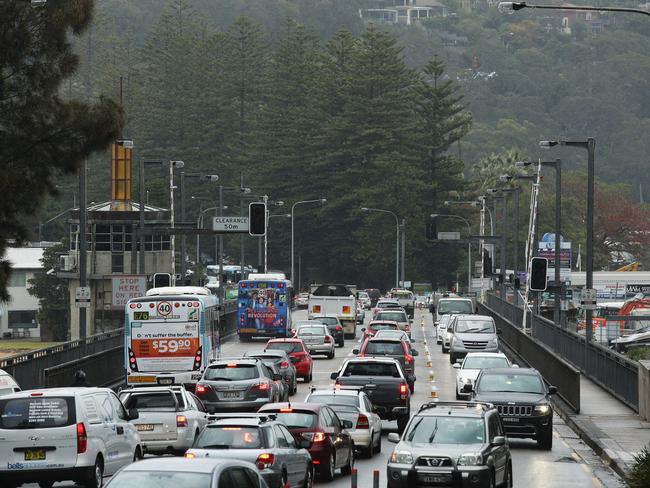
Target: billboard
{"points": [[546, 249]]}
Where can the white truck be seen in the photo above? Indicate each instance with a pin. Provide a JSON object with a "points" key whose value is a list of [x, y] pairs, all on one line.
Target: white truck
{"points": [[405, 298], [338, 300]]}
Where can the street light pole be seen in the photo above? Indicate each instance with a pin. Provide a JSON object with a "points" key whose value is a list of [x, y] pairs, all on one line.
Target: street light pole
{"points": [[511, 7], [82, 246], [397, 230], [403, 250], [293, 207], [469, 244]]}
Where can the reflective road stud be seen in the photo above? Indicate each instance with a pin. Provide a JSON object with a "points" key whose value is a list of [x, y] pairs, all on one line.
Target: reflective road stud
{"points": [[434, 391], [432, 376]]}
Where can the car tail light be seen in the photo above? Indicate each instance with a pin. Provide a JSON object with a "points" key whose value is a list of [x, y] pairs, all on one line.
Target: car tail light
{"points": [[262, 389], [328, 339], [339, 328], [284, 364], [408, 358], [286, 410], [403, 390], [265, 460], [314, 436], [201, 389], [337, 384], [181, 421], [82, 438], [362, 422]]}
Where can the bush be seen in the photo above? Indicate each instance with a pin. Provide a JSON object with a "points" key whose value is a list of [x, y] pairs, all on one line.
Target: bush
{"points": [[639, 477], [639, 353]]}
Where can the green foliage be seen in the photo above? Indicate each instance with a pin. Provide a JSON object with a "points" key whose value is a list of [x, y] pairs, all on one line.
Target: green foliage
{"points": [[639, 476], [638, 354], [41, 135], [52, 293]]}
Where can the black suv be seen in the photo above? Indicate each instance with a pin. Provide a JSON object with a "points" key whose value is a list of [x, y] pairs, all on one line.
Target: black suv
{"points": [[522, 399], [451, 444]]}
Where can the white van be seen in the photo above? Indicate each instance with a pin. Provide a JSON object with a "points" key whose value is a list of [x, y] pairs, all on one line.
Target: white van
{"points": [[60, 434], [8, 384]]}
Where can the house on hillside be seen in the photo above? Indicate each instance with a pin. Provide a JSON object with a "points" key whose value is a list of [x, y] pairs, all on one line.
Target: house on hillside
{"points": [[406, 13], [594, 21]]}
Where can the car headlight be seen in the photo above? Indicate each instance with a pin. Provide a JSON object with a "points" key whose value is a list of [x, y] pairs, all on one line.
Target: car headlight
{"points": [[543, 409], [401, 457], [470, 459]]}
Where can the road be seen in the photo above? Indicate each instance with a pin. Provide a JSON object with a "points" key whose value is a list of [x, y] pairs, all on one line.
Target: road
{"points": [[570, 464]]}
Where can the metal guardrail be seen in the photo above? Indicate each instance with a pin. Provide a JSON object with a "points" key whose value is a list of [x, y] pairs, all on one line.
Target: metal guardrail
{"points": [[104, 368], [610, 370]]}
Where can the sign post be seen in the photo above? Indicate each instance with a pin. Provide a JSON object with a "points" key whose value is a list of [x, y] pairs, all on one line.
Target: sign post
{"points": [[588, 299], [82, 297]]}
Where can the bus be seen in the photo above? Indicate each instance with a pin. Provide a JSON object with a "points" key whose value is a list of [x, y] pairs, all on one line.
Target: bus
{"points": [[171, 334], [232, 274], [264, 306]]}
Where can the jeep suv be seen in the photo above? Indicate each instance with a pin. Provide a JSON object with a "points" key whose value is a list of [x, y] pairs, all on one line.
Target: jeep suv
{"points": [[451, 444]]}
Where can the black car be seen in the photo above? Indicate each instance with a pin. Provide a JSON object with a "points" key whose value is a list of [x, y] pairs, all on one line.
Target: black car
{"points": [[523, 401], [335, 327]]}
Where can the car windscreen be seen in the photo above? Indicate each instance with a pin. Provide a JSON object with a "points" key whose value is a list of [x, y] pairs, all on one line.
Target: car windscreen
{"points": [[478, 362], [37, 412], [455, 306], [392, 334], [230, 437], [298, 420], [394, 316], [161, 479], [231, 372], [475, 326], [389, 348], [329, 399], [505, 382], [371, 369], [288, 347], [160, 401], [446, 430], [311, 330]]}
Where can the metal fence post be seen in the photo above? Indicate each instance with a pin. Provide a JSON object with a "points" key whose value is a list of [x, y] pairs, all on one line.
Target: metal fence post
{"points": [[353, 478], [375, 478]]}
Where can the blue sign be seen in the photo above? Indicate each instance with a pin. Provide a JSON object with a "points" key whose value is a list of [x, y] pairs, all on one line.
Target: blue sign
{"points": [[550, 237]]}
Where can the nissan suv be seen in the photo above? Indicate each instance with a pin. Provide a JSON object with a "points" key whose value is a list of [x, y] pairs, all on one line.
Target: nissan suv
{"points": [[472, 333], [451, 444], [522, 399]]}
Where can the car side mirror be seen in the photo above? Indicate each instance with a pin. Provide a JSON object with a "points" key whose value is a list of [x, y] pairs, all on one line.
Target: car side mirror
{"points": [[277, 377], [334, 375], [467, 388], [133, 414], [393, 437], [514, 365], [414, 353], [552, 390], [411, 378], [436, 324], [363, 329], [347, 424], [456, 366], [499, 440], [499, 331], [355, 351]]}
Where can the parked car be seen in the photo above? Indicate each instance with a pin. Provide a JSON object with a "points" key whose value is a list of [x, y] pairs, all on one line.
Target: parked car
{"points": [[472, 365], [376, 325], [61, 434], [317, 339], [335, 327], [353, 404], [261, 439], [169, 417], [472, 333], [7, 383], [298, 354], [302, 300], [395, 315], [451, 444], [182, 472], [282, 361], [523, 401], [331, 445], [241, 384], [391, 348]]}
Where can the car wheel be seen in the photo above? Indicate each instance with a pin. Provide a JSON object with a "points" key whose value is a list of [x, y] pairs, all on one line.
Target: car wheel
{"points": [[347, 469], [492, 480], [452, 358], [545, 439], [137, 455], [367, 452], [327, 473], [44, 484], [378, 446], [507, 482], [309, 477], [95, 477], [458, 396], [444, 349]]}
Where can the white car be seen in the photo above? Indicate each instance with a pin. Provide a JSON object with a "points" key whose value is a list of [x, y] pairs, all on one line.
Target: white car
{"points": [[365, 300], [441, 328], [474, 362], [62, 434], [170, 418], [7, 383], [352, 403], [302, 300], [385, 303], [446, 336]]}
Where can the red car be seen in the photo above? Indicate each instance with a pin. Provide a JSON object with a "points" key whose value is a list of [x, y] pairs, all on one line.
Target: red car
{"points": [[331, 444], [376, 325], [298, 354]]}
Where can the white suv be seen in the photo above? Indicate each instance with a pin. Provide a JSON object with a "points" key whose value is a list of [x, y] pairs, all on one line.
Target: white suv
{"points": [[61, 434]]}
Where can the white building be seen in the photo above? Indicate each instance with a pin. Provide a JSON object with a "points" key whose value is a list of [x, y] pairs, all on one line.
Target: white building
{"points": [[18, 316]]}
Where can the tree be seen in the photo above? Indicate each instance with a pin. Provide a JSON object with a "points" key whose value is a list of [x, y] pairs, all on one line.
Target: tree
{"points": [[52, 293], [41, 135]]}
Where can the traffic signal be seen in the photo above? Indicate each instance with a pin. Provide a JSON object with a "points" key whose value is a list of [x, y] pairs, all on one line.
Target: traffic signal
{"points": [[162, 279], [257, 218], [538, 267], [487, 264]]}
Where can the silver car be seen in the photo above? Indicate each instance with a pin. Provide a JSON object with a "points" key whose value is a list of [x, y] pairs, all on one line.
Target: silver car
{"points": [[317, 339], [259, 439], [472, 333]]}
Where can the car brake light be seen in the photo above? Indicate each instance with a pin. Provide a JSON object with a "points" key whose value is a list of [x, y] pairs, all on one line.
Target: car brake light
{"points": [[82, 439], [362, 422], [286, 410], [314, 436], [284, 364], [339, 328], [265, 460], [262, 386], [201, 389], [408, 358], [36, 394], [403, 390], [231, 365], [181, 421], [328, 339]]}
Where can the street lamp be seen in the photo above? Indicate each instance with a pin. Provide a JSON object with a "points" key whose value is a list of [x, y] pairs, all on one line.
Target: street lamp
{"points": [[366, 209], [322, 201], [469, 244], [512, 7]]}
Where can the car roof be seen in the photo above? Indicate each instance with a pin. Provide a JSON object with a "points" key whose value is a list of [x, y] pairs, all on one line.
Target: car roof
{"points": [[391, 322], [308, 322], [455, 409], [310, 407], [152, 389], [285, 339], [328, 316], [250, 421], [517, 371], [372, 359], [485, 355], [266, 353], [180, 464], [471, 316], [247, 360], [336, 391], [52, 392], [382, 339]]}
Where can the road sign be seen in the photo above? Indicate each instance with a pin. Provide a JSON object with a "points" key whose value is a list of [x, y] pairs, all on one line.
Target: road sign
{"points": [[230, 224], [82, 297], [125, 287], [448, 236], [588, 299]]}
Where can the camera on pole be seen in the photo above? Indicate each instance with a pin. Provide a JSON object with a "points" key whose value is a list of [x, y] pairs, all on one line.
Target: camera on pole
{"points": [[257, 219]]}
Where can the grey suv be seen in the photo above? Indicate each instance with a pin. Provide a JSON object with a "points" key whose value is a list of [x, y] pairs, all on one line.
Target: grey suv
{"points": [[259, 439], [241, 384], [282, 362], [472, 333], [451, 444]]}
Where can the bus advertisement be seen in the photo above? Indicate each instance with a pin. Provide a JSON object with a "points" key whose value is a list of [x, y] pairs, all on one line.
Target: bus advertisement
{"points": [[170, 335], [264, 308]]}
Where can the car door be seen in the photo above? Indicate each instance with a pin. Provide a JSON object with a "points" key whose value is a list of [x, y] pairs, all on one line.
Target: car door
{"points": [[334, 431], [127, 435], [375, 421], [109, 429], [499, 452], [200, 411], [296, 463]]}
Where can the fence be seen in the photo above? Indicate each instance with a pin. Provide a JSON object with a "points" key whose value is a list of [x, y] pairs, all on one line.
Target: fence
{"points": [[104, 368], [609, 369]]}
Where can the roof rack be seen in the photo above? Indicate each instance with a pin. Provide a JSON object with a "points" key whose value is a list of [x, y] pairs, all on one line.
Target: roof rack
{"points": [[262, 417], [482, 405]]}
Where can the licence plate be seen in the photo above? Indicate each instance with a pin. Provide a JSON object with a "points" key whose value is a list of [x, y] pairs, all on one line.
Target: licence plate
{"points": [[34, 454], [510, 419], [231, 394], [165, 381], [435, 478], [144, 427], [141, 379]]}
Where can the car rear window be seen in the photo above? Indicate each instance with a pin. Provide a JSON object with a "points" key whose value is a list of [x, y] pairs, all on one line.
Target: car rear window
{"points": [[346, 412], [161, 479], [37, 412], [383, 326], [288, 347], [394, 316], [311, 330], [390, 348], [231, 372], [230, 437], [455, 306], [329, 399], [151, 401], [371, 369], [328, 320], [298, 420]]}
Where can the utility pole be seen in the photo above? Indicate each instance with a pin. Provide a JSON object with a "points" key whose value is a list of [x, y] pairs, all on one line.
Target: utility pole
{"points": [[82, 246], [222, 292], [403, 267], [557, 314], [242, 255]]}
